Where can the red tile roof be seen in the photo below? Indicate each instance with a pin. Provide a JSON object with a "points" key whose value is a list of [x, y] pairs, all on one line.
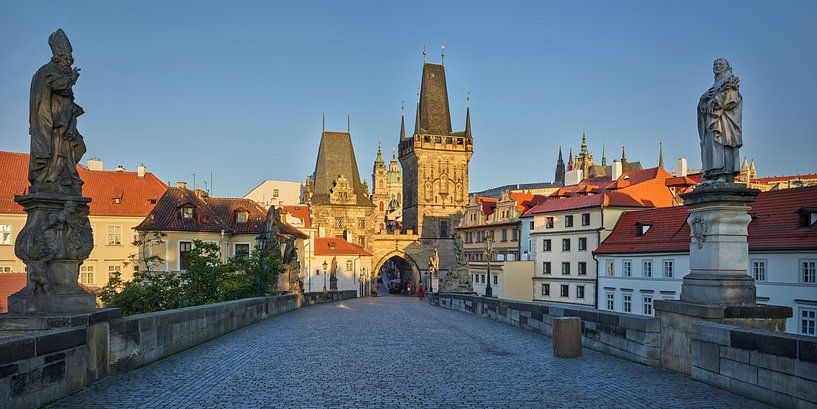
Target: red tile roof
{"points": [[774, 226], [10, 283], [784, 178], [210, 214], [526, 201], [134, 193], [299, 212], [327, 246], [604, 199], [488, 205]]}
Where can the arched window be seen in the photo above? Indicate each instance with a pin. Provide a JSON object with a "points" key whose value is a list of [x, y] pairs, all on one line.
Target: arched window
{"points": [[381, 206]]}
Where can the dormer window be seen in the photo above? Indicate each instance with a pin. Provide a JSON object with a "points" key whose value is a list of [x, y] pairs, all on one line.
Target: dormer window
{"points": [[241, 216], [187, 212], [117, 200], [808, 216], [642, 228]]}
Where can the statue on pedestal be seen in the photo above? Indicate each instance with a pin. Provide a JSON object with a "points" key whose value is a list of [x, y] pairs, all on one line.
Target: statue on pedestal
{"points": [[458, 279], [720, 125], [57, 236]]}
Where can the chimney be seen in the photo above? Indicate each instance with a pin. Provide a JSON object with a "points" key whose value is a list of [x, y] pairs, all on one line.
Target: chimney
{"points": [[682, 167], [201, 194], [617, 170], [140, 171], [94, 164], [120, 168], [181, 185]]}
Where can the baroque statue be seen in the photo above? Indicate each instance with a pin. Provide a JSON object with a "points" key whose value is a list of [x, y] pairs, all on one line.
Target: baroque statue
{"points": [[720, 125], [56, 145], [458, 279], [57, 236]]}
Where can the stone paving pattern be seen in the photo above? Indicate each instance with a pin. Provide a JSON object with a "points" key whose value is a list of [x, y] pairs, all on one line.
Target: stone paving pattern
{"points": [[392, 352]]}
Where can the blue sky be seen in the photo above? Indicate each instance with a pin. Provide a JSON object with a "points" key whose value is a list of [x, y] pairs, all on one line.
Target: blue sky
{"points": [[238, 89]]}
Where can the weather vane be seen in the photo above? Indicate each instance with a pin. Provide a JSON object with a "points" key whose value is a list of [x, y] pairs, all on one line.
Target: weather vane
{"points": [[442, 61]]}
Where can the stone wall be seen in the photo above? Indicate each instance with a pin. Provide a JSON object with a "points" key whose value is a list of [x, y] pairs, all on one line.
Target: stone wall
{"points": [[42, 366], [773, 367], [635, 338]]}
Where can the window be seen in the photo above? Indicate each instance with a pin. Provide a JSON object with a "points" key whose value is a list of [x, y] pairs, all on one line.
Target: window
{"points": [[549, 222], [187, 212], [564, 290], [443, 228], [86, 274], [565, 244], [546, 245], [531, 225], [275, 193], [114, 269], [627, 268], [496, 280], [667, 268], [546, 267], [338, 222], [482, 279], [808, 321], [565, 267], [241, 217], [361, 223], [647, 305], [808, 270], [569, 220], [611, 301], [646, 268], [582, 243], [580, 292], [5, 234], [361, 241], [641, 229], [585, 219], [349, 265], [5, 269], [184, 254], [114, 235], [611, 268], [759, 270], [546, 290], [514, 235], [627, 302], [582, 268], [504, 234], [242, 250]]}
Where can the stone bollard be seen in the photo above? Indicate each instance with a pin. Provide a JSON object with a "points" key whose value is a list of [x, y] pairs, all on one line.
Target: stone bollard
{"points": [[567, 337]]}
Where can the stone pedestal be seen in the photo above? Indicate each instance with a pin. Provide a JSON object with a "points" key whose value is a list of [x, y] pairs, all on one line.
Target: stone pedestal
{"points": [[333, 282], [718, 287], [54, 242]]}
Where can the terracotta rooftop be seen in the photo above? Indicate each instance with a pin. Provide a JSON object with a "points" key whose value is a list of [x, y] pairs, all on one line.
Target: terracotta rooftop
{"points": [[784, 178], [604, 199], [210, 214], [112, 193], [299, 212], [774, 226], [10, 283], [526, 201], [328, 246]]}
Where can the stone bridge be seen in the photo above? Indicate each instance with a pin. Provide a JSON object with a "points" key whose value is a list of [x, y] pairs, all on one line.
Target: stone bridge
{"points": [[390, 352]]}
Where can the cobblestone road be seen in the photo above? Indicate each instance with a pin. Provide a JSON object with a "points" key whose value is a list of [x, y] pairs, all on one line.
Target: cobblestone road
{"points": [[392, 352]]}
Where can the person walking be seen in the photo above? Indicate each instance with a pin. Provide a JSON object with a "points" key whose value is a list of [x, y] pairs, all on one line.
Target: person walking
{"points": [[421, 292]]}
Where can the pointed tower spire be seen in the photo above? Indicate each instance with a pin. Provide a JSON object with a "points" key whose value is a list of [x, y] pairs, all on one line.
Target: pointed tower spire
{"points": [[583, 152], [603, 156], [468, 116], [323, 126], [570, 160], [559, 177], [417, 120], [623, 157], [403, 120], [660, 155]]}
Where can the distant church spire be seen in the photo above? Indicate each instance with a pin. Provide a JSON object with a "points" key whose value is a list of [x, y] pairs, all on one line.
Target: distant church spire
{"points": [[603, 156], [403, 120], [468, 115], [660, 155], [559, 177], [570, 160], [623, 157]]}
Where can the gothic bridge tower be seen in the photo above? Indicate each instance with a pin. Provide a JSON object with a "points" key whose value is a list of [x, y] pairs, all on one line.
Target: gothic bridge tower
{"points": [[435, 162]]}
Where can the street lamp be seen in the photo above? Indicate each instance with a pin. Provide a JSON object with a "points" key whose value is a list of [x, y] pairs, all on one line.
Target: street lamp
{"points": [[261, 242], [489, 251], [325, 265]]}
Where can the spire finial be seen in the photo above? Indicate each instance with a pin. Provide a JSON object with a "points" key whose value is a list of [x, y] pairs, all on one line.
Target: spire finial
{"points": [[442, 61], [349, 123], [468, 99], [603, 155], [403, 107], [323, 126], [660, 155], [424, 53]]}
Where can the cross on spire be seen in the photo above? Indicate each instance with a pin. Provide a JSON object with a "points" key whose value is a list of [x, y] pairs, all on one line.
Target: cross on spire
{"points": [[442, 61]]}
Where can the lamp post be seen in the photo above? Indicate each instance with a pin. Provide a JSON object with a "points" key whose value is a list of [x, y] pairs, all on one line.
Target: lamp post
{"points": [[261, 242], [489, 251], [325, 265]]}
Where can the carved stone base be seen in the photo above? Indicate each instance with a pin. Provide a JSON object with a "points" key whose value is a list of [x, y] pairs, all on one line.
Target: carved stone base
{"points": [[51, 304], [719, 249]]}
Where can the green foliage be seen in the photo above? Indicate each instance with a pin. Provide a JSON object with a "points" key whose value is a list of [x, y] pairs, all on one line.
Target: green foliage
{"points": [[207, 279]]}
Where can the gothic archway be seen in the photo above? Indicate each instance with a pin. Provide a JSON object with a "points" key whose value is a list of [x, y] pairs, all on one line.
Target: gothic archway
{"points": [[394, 271]]}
